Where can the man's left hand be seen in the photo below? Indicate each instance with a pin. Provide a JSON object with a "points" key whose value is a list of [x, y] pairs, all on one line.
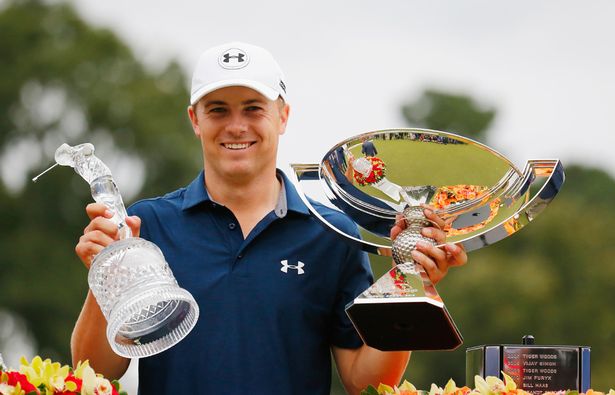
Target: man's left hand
{"points": [[435, 260]]}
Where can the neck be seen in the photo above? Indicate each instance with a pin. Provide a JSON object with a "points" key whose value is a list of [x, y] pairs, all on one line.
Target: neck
{"points": [[250, 199]]}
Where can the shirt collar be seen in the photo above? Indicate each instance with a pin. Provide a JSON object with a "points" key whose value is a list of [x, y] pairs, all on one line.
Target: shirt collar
{"points": [[196, 192], [292, 199], [288, 200]]}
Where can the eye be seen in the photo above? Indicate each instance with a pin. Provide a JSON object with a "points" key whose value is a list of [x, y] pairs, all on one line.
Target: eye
{"points": [[217, 110], [253, 108]]}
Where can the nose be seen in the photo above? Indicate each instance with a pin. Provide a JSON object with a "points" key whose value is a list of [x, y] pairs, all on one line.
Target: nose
{"points": [[236, 125]]}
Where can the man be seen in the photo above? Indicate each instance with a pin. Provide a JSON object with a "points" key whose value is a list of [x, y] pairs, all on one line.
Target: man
{"points": [[271, 283], [368, 148]]}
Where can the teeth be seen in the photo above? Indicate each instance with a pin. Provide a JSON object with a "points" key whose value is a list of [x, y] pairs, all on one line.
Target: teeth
{"points": [[237, 146]]}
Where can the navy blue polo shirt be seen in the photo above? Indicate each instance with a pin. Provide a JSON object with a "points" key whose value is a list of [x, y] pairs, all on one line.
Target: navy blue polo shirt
{"points": [[271, 305]]}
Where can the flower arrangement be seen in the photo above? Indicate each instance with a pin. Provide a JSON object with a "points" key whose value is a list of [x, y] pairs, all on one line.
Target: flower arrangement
{"points": [[43, 377], [451, 194], [489, 386], [369, 176]]}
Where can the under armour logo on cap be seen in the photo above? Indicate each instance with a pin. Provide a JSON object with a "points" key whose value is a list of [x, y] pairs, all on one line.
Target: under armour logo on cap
{"points": [[298, 267], [233, 59], [237, 64]]}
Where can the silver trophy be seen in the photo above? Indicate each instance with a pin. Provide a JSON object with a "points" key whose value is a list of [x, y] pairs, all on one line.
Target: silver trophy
{"points": [[481, 196], [146, 310]]}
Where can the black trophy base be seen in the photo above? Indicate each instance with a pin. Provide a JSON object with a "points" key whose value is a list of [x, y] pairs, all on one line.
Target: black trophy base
{"points": [[395, 325]]}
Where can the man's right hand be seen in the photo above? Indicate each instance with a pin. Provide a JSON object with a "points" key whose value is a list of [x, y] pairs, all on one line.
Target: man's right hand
{"points": [[101, 232]]}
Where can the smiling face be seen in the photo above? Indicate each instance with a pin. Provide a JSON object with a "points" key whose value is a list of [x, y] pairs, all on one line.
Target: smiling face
{"points": [[239, 131]]}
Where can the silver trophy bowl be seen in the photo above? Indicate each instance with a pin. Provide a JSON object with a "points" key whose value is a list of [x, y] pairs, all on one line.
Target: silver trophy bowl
{"points": [[480, 194]]}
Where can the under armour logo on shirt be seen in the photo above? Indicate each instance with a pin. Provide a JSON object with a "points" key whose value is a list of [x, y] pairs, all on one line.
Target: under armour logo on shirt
{"points": [[298, 267], [233, 58]]}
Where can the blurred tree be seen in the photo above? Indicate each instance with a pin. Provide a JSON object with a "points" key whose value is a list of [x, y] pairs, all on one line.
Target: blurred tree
{"points": [[552, 280], [456, 113], [65, 81]]}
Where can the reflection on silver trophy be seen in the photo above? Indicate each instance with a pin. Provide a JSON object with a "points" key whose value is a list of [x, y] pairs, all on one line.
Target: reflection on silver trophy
{"points": [[381, 177], [146, 310]]}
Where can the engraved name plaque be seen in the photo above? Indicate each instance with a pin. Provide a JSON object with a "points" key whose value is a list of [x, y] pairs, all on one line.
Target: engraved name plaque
{"points": [[534, 368]]}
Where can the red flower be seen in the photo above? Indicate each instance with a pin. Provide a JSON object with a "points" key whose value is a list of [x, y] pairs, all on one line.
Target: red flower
{"points": [[399, 278], [16, 377], [375, 175], [78, 382]]}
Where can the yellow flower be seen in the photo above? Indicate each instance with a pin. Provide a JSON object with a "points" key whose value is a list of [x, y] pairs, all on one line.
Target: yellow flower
{"points": [[407, 386], [6, 389], [435, 390], [44, 372], [510, 383], [489, 386], [385, 389], [88, 377]]}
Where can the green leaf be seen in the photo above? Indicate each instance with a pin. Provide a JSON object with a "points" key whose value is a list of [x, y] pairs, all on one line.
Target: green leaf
{"points": [[369, 391], [116, 385]]}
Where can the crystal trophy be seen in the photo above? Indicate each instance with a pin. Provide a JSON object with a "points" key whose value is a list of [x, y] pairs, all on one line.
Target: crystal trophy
{"points": [[480, 195], [146, 310]]}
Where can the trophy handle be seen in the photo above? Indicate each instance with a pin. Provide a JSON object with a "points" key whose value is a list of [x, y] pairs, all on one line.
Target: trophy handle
{"points": [[310, 172], [546, 175], [105, 191], [82, 159]]}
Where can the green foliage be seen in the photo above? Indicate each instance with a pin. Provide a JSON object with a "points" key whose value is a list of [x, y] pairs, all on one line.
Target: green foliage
{"points": [[455, 113], [66, 81]]}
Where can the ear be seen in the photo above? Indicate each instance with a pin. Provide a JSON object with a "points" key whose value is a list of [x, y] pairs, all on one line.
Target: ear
{"points": [[284, 113], [194, 120]]}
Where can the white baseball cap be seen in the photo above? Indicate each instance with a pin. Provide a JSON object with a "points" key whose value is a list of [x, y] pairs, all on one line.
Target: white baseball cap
{"points": [[237, 64]]}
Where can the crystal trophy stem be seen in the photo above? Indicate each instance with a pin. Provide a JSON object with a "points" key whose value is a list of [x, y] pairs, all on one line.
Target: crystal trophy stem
{"points": [[106, 192], [146, 310]]}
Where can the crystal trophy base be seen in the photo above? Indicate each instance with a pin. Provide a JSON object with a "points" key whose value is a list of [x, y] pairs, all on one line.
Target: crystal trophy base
{"points": [[402, 311], [135, 288]]}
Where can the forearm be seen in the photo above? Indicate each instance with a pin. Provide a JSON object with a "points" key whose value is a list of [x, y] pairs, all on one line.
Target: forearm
{"points": [[89, 341], [369, 366]]}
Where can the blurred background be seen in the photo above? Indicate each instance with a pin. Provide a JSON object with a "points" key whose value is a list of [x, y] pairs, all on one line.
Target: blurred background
{"points": [[531, 79]]}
